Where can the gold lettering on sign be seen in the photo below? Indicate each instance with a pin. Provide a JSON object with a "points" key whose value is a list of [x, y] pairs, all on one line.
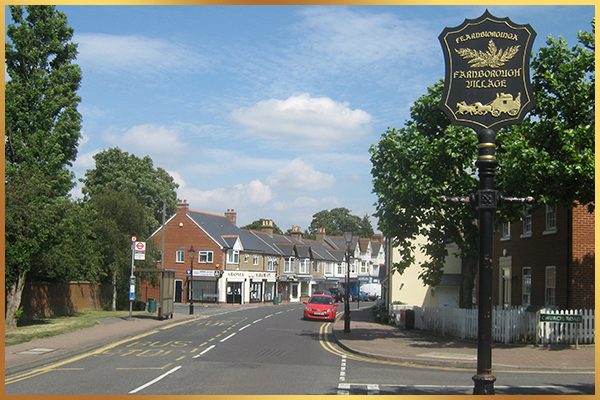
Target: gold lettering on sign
{"points": [[487, 34]]}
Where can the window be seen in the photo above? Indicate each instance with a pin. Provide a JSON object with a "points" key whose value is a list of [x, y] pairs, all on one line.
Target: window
{"points": [[550, 219], [254, 260], [233, 256], [270, 263], [363, 267], [180, 255], [340, 270], [526, 288], [304, 266], [317, 266], [328, 267], [526, 223], [505, 231], [205, 256], [246, 258], [550, 286], [288, 265]]}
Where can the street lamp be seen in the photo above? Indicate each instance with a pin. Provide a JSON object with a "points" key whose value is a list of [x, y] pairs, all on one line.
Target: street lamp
{"points": [[348, 238], [191, 252]]}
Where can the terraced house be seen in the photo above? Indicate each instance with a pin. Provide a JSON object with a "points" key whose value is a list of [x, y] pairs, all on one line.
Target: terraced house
{"points": [[216, 261]]}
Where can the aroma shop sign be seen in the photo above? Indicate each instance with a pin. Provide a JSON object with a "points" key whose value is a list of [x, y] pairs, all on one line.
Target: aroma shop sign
{"points": [[487, 79]]}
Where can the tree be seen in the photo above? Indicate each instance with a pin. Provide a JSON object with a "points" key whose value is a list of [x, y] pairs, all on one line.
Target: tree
{"points": [[336, 220], [120, 216], [257, 225], [549, 156], [120, 171], [42, 130], [412, 168]]}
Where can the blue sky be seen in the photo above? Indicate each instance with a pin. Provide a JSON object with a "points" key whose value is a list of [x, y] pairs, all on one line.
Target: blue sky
{"points": [[269, 110]]}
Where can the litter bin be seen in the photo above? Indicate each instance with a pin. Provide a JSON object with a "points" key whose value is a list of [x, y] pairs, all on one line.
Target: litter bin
{"points": [[410, 319], [151, 305], [276, 300]]}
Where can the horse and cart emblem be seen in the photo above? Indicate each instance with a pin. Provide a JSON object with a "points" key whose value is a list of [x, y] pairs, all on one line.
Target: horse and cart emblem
{"points": [[503, 103]]}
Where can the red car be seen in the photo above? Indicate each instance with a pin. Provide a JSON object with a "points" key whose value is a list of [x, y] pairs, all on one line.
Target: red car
{"points": [[320, 306]]}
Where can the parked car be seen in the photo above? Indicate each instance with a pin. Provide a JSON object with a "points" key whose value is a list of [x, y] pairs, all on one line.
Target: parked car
{"points": [[320, 306]]}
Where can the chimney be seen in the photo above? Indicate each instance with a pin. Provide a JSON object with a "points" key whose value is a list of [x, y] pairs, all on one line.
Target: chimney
{"points": [[266, 226], [182, 206], [378, 237], [320, 236], [296, 232], [231, 215]]}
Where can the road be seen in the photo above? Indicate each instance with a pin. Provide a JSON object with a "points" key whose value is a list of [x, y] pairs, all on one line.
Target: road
{"points": [[262, 350]]}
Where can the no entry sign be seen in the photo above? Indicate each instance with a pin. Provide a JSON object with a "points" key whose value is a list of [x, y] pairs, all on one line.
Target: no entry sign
{"points": [[487, 82]]}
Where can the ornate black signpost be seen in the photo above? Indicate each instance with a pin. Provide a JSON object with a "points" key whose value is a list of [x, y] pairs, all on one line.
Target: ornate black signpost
{"points": [[486, 87]]}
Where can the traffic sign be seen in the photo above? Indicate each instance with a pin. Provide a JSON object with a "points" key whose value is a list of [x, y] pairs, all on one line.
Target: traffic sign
{"points": [[140, 246], [133, 239]]}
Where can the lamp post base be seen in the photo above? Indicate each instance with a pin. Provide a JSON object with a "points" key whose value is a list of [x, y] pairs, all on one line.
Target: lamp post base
{"points": [[191, 309], [484, 384]]}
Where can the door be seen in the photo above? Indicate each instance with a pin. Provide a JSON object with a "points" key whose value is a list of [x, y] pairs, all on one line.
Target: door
{"points": [[178, 290], [234, 292]]}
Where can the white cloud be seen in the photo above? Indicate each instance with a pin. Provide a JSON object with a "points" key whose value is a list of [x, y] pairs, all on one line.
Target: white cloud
{"points": [[357, 37], [177, 178], [138, 54], [157, 141], [300, 176], [253, 193], [304, 121]]}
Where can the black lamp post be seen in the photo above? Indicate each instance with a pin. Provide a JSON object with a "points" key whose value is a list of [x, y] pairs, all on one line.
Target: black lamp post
{"points": [[348, 238], [191, 252]]}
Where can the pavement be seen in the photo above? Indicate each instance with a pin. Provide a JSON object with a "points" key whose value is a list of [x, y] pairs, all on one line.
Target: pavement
{"points": [[367, 339]]}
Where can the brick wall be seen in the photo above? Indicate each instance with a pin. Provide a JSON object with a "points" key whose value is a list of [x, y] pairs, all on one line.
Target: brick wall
{"points": [[581, 277], [58, 299]]}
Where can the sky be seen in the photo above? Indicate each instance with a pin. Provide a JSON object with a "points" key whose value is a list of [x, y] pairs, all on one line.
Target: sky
{"points": [[269, 110]]}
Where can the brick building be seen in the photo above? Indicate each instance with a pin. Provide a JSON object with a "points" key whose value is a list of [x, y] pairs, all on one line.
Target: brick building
{"points": [[546, 259]]}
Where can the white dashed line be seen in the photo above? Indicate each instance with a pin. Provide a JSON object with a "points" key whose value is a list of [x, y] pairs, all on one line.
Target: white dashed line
{"points": [[224, 339], [244, 327], [205, 351], [152, 382], [268, 316], [258, 320]]}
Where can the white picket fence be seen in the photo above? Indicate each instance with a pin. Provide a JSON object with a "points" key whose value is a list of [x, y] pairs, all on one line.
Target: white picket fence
{"points": [[514, 325]]}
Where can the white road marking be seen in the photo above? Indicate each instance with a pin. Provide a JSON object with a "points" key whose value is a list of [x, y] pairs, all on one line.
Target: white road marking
{"points": [[152, 382], [244, 327], [269, 316], [258, 320], [205, 351], [224, 339]]}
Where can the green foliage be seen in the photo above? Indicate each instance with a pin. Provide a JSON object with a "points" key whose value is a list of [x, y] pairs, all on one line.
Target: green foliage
{"points": [[119, 216], [257, 225], [120, 171], [336, 220], [42, 130], [551, 155]]}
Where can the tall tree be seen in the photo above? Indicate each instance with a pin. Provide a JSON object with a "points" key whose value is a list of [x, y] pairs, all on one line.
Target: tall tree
{"points": [[412, 168], [336, 220], [42, 130], [549, 156], [120, 171], [120, 216]]}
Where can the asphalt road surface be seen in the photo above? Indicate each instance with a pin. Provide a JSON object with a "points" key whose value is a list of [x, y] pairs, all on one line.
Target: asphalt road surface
{"points": [[263, 350]]}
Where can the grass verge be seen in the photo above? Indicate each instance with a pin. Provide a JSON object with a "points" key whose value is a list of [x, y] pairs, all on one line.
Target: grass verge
{"points": [[47, 327]]}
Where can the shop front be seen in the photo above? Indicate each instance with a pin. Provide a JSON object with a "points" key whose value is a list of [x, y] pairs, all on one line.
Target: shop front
{"points": [[288, 288], [261, 286], [204, 286], [240, 287]]}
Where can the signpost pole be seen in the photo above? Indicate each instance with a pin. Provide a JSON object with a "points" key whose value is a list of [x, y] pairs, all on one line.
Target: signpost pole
{"points": [[487, 202], [131, 280]]}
